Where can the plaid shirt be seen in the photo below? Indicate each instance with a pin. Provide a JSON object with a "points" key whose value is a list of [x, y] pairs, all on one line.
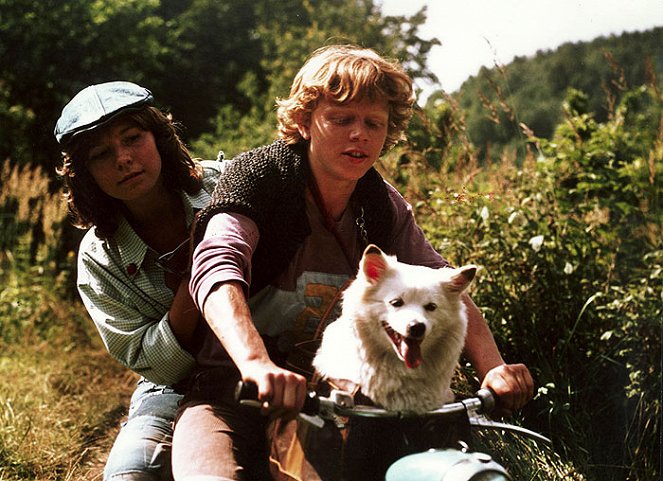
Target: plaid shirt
{"points": [[126, 295]]}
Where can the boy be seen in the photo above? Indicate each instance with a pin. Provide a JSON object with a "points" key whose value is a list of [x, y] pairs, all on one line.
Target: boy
{"points": [[284, 233]]}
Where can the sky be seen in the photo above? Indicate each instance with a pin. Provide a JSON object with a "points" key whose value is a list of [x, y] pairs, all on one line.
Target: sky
{"points": [[477, 33]]}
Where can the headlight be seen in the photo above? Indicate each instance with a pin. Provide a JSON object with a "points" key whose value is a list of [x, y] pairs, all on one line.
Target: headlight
{"points": [[446, 465]]}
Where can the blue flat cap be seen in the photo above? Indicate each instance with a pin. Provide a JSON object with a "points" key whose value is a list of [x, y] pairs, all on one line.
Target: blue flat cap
{"points": [[96, 105]]}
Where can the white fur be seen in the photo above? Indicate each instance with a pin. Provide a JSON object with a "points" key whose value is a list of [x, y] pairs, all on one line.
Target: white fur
{"points": [[356, 347]]}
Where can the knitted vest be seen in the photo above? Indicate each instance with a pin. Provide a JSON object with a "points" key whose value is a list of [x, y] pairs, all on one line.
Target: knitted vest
{"points": [[268, 185]]}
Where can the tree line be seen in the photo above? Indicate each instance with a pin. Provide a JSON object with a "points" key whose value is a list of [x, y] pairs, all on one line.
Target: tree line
{"points": [[199, 57], [531, 90], [218, 65]]}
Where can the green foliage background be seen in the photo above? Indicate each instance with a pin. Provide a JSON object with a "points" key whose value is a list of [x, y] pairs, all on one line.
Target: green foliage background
{"points": [[569, 241], [545, 172]]}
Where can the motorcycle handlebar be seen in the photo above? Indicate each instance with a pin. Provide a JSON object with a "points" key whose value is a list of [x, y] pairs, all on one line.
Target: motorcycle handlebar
{"points": [[342, 403]]}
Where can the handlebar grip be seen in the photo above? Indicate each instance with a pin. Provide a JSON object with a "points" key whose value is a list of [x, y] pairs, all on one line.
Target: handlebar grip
{"points": [[246, 392], [488, 400]]}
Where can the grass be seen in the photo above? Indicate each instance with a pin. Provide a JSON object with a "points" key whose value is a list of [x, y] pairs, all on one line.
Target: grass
{"points": [[61, 397], [526, 459]]}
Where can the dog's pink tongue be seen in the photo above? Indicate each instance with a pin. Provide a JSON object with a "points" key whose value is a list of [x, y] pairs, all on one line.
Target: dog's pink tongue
{"points": [[411, 352]]}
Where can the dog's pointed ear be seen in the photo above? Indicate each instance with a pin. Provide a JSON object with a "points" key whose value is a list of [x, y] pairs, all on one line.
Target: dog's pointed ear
{"points": [[461, 279], [373, 263]]}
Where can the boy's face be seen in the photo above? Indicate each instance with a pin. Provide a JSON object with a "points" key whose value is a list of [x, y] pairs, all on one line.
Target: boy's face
{"points": [[124, 160], [345, 139]]}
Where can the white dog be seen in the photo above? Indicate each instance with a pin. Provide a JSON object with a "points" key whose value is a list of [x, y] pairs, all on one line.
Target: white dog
{"points": [[400, 333]]}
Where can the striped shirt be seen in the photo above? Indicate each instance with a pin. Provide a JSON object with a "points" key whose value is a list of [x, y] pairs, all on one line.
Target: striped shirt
{"points": [[125, 293]]}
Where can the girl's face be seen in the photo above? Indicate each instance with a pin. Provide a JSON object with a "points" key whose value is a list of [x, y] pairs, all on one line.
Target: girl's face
{"points": [[124, 161], [345, 139]]}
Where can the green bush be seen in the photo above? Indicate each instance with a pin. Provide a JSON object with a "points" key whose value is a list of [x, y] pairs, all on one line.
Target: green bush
{"points": [[571, 278]]}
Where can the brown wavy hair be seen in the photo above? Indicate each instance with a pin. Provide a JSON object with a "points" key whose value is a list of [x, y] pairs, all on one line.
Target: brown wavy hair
{"points": [[344, 73], [89, 206]]}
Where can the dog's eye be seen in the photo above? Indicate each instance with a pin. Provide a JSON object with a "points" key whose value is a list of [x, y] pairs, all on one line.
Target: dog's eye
{"points": [[398, 302], [431, 306]]}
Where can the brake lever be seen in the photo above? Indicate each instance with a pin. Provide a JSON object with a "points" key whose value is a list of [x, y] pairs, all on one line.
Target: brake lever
{"points": [[477, 411], [483, 422], [332, 408], [336, 402]]}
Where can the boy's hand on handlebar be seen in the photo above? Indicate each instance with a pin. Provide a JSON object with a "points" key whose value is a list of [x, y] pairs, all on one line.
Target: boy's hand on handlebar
{"points": [[513, 385], [280, 391]]}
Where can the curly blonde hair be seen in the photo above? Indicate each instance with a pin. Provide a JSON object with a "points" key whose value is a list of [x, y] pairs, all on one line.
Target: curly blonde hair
{"points": [[344, 73]]}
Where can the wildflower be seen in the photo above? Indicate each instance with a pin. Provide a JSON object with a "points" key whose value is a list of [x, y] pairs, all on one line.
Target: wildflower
{"points": [[536, 242], [485, 214], [568, 268]]}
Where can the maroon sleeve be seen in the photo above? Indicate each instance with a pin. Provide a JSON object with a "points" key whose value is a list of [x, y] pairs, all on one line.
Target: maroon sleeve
{"points": [[410, 243], [223, 255]]}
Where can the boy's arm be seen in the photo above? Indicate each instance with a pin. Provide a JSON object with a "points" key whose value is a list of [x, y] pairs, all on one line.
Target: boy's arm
{"points": [[229, 317], [512, 383]]}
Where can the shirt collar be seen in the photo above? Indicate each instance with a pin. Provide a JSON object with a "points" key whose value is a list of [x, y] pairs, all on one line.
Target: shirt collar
{"points": [[133, 250]]}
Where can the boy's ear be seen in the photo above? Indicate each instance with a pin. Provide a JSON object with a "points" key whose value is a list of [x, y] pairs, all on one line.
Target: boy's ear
{"points": [[304, 131], [304, 126]]}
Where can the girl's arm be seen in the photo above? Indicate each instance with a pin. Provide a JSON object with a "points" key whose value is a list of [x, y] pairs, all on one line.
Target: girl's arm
{"points": [[183, 315]]}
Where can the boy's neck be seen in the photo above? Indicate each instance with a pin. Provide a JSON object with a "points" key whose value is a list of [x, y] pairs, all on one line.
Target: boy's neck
{"points": [[334, 198]]}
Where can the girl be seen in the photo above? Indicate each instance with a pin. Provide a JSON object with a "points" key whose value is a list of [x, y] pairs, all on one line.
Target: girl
{"points": [[130, 180]]}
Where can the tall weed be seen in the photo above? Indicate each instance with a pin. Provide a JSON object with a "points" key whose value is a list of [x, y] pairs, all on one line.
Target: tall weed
{"points": [[35, 235], [55, 399]]}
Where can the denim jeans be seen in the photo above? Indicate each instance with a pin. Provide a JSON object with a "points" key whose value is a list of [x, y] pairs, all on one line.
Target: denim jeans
{"points": [[142, 449]]}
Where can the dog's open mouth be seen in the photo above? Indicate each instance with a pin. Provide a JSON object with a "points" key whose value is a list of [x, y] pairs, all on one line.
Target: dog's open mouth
{"points": [[407, 348]]}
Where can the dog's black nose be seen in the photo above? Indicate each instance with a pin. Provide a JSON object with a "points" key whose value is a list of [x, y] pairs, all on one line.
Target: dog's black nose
{"points": [[416, 330]]}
